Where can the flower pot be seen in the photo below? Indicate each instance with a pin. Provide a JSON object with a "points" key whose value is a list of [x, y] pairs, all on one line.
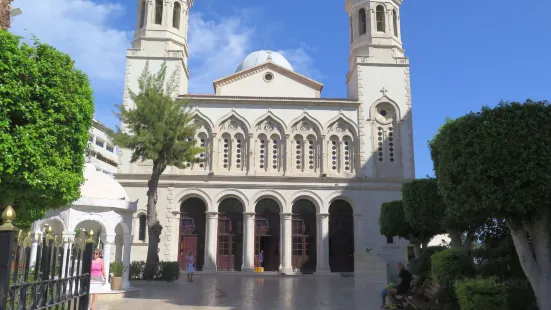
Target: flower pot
{"points": [[116, 283]]}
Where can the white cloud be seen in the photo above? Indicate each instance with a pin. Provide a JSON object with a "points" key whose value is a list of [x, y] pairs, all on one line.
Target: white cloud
{"points": [[81, 29], [302, 61], [216, 48], [85, 30]]}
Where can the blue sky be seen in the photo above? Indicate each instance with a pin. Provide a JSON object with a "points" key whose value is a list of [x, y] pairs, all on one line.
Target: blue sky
{"points": [[463, 54]]}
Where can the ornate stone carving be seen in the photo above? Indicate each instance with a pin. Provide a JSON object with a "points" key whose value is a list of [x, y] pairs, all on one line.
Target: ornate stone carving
{"points": [[341, 127], [232, 125], [304, 126], [268, 126], [212, 215]]}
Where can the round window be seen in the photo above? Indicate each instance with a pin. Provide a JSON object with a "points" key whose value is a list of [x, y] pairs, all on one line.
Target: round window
{"points": [[383, 112], [268, 77]]}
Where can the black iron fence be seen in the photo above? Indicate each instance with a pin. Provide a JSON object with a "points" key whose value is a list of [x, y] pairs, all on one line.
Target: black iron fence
{"points": [[48, 273]]}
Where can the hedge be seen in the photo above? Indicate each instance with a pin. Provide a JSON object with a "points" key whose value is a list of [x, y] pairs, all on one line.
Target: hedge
{"points": [[448, 266], [421, 267], [481, 293], [165, 271]]}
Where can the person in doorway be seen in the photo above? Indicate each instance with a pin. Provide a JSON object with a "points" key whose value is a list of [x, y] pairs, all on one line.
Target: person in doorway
{"points": [[97, 277], [399, 289], [261, 259], [190, 261]]}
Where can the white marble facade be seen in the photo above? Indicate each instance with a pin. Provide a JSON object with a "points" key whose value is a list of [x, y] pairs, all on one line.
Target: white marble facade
{"points": [[270, 134]]}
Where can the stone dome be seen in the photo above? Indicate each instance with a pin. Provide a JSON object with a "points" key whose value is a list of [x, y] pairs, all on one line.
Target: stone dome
{"points": [[260, 57], [100, 185]]}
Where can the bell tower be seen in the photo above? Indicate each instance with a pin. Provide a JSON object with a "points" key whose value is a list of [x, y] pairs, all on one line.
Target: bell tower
{"points": [[375, 29], [379, 77], [160, 36]]}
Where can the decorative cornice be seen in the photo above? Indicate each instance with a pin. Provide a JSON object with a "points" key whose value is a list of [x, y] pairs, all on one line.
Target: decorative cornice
{"points": [[233, 100], [265, 66], [264, 182]]}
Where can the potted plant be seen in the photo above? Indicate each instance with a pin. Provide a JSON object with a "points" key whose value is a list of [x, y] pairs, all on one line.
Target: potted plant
{"points": [[116, 269]]}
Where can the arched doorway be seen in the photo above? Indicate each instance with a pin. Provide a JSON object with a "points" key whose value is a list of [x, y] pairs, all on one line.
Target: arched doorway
{"points": [[267, 232], [341, 237], [304, 236], [192, 232], [230, 235]]}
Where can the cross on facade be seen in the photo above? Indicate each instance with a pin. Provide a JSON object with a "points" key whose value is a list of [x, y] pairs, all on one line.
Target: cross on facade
{"points": [[384, 91], [269, 54]]}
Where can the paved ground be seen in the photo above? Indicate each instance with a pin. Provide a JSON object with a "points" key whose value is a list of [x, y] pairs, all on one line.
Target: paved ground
{"points": [[225, 292]]}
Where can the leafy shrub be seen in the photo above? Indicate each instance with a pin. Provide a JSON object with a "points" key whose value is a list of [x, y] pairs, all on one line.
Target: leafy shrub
{"points": [[169, 271], [163, 271], [136, 270], [481, 293], [117, 269], [421, 267], [448, 266]]}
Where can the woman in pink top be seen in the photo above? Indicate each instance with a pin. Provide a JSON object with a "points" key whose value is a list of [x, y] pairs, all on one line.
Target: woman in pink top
{"points": [[97, 277]]}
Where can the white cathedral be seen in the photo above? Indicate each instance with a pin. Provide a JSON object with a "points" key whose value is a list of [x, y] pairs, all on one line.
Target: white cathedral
{"points": [[288, 172]]}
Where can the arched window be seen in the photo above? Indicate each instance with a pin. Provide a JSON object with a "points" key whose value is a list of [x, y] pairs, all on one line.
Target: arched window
{"points": [[305, 147], [269, 145], [395, 22], [142, 14], [158, 12], [142, 222], [269, 153], [362, 19], [202, 142], [386, 130], [176, 13], [351, 31], [380, 17], [340, 146], [226, 151]]}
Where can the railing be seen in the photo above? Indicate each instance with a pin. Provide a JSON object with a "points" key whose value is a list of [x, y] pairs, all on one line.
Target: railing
{"points": [[43, 273]]}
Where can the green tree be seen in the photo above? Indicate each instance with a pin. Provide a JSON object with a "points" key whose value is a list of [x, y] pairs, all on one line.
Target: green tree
{"points": [[496, 163], [425, 209], [392, 222], [46, 110], [159, 129]]}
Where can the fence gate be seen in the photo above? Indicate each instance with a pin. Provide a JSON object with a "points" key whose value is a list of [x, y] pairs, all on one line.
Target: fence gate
{"points": [[53, 275]]}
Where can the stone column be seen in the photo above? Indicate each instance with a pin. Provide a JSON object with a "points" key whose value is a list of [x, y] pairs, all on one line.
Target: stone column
{"points": [[251, 145], [358, 229], [126, 260], [211, 241], [323, 243], [35, 239], [248, 249], [68, 238], [323, 149], [107, 240], [287, 219]]}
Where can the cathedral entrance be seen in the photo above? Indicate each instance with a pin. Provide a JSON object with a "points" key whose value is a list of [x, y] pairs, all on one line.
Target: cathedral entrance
{"points": [[304, 236], [192, 232], [267, 232], [230, 235], [341, 237]]}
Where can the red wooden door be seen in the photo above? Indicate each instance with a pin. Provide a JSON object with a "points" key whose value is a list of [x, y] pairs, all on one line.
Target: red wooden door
{"points": [[187, 241], [225, 258], [300, 246]]}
